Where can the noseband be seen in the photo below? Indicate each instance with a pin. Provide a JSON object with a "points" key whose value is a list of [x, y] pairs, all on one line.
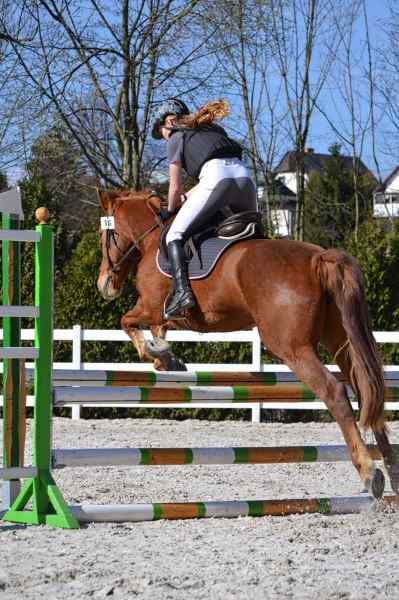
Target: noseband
{"points": [[111, 236]]}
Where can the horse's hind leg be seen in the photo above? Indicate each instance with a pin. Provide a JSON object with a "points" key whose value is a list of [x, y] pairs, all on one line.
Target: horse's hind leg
{"points": [[390, 459], [336, 346], [388, 454], [307, 366]]}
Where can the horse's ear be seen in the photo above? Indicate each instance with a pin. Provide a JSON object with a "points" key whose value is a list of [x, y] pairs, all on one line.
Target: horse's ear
{"points": [[106, 199], [103, 199]]}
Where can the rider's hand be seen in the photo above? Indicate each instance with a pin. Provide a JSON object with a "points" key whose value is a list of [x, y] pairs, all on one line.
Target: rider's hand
{"points": [[164, 215]]}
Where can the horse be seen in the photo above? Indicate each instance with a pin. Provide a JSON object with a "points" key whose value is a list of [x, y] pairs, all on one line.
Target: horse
{"points": [[297, 294]]}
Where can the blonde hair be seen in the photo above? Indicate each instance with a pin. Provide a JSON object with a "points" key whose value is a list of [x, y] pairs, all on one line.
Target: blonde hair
{"points": [[211, 111]]}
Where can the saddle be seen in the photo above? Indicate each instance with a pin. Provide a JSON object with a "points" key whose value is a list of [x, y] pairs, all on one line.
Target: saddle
{"points": [[203, 249]]}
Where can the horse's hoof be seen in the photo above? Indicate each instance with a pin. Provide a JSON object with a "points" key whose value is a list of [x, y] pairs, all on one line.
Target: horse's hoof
{"points": [[164, 359], [175, 364], [169, 362], [377, 484]]}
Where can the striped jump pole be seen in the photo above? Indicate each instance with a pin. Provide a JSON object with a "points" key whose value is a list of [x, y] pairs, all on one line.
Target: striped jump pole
{"points": [[228, 509], [80, 377], [180, 394], [107, 457], [284, 392], [153, 378]]}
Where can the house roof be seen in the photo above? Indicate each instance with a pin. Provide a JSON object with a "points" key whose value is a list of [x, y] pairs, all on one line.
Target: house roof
{"points": [[315, 161], [278, 187], [388, 180]]}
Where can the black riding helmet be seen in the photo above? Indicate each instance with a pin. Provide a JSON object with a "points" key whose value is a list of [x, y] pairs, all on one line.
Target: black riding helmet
{"points": [[169, 107]]}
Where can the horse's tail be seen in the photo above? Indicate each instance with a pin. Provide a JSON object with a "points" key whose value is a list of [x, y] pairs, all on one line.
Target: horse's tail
{"points": [[341, 277]]}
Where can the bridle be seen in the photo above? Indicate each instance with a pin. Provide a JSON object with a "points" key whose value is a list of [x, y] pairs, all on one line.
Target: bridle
{"points": [[112, 237]]}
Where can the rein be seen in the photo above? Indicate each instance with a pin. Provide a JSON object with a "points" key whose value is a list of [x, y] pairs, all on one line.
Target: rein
{"points": [[135, 244]]}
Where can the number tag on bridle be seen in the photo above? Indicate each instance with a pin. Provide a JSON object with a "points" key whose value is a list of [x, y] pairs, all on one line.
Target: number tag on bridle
{"points": [[107, 223]]}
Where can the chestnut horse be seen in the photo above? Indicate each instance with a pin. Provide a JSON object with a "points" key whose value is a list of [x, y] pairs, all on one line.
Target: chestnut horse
{"points": [[297, 294]]}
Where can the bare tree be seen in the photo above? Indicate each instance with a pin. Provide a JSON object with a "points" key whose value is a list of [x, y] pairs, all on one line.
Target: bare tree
{"points": [[388, 84], [370, 74], [244, 68], [103, 68], [14, 98], [353, 118], [304, 42]]}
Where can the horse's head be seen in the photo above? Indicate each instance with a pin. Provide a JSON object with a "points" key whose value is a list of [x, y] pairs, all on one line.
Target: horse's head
{"points": [[131, 217]]}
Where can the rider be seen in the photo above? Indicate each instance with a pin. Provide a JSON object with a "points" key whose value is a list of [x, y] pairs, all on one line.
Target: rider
{"points": [[204, 150]]}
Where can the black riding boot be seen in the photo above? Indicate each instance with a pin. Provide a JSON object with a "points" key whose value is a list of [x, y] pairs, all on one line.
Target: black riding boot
{"points": [[183, 297]]}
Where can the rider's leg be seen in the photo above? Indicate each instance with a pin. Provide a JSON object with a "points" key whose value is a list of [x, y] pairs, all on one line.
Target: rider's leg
{"points": [[220, 185], [192, 208], [183, 297]]}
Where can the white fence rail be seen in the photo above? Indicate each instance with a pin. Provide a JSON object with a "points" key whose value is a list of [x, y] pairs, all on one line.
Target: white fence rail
{"points": [[77, 336]]}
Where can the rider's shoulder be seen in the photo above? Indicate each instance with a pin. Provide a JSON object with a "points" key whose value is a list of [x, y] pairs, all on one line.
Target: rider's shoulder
{"points": [[176, 134], [175, 138]]}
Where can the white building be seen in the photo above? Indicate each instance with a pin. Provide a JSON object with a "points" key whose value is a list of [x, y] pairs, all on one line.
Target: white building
{"points": [[314, 162], [282, 203], [386, 197]]}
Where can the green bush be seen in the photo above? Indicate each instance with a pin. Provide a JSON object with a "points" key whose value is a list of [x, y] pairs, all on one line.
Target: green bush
{"points": [[78, 302]]}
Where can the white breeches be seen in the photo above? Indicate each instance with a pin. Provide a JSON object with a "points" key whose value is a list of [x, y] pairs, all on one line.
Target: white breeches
{"points": [[223, 183]]}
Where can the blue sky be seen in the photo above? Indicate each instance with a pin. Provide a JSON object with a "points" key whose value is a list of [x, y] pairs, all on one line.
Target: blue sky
{"points": [[321, 135], [332, 98]]}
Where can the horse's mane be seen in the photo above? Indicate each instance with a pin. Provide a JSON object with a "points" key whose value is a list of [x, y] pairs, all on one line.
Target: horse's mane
{"points": [[127, 194]]}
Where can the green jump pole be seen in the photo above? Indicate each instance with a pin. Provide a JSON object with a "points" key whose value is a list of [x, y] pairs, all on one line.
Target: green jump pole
{"points": [[48, 504], [14, 397]]}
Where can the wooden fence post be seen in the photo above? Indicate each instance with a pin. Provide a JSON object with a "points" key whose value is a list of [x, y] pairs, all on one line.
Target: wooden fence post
{"points": [[14, 386]]}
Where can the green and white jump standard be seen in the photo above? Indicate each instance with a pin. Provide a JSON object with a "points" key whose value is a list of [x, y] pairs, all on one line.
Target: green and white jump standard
{"points": [[48, 505]]}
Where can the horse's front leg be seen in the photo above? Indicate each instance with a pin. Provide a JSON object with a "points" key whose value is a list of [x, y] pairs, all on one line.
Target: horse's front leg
{"points": [[158, 350], [158, 333]]}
